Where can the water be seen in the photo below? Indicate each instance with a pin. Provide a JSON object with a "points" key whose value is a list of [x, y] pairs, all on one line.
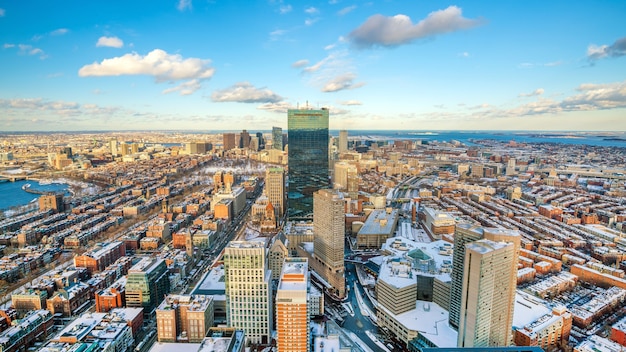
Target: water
{"points": [[12, 194], [606, 139]]}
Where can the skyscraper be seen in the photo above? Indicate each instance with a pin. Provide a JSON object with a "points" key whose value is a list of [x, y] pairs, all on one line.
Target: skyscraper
{"points": [[275, 189], [485, 318], [292, 318], [465, 233], [277, 138], [244, 139], [328, 244], [308, 159], [229, 141], [342, 145], [248, 293]]}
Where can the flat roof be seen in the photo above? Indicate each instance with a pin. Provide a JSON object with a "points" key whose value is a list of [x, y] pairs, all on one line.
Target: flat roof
{"points": [[213, 283], [430, 320], [379, 222]]}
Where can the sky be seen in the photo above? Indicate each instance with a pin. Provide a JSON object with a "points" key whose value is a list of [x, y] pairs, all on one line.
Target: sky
{"points": [[390, 65]]}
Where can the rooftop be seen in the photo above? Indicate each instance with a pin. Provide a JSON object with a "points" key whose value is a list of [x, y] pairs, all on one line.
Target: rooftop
{"points": [[379, 222]]}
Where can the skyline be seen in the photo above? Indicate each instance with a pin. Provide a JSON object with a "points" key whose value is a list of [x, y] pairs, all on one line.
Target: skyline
{"points": [[419, 66]]}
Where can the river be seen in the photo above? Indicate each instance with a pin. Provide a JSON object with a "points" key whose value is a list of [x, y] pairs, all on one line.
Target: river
{"points": [[12, 194]]}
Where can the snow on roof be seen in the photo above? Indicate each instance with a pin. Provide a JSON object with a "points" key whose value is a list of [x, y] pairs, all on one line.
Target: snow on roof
{"points": [[528, 309]]}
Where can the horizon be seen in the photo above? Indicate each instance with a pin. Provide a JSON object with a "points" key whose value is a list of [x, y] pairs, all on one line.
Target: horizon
{"points": [[212, 65]]}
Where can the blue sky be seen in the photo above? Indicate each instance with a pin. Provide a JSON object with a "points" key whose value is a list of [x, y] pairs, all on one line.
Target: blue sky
{"points": [[229, 65]]}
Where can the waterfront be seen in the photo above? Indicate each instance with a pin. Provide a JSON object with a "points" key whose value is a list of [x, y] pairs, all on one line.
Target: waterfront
{"points": [[12, 194]]}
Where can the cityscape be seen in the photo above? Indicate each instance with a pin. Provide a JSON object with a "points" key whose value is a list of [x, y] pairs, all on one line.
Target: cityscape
{"points": [[333, 176]]}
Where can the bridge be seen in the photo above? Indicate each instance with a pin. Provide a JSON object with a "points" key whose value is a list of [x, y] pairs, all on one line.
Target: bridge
{"points": [[15, 177]]}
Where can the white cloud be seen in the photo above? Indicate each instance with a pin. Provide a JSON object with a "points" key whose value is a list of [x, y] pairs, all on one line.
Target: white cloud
{"points": [[297, 64], [342, 82], [379, 30], [318, 65], [278, 32], [351, 102], [330, 46], [2, 12], [533, 65], [590, 97], [60, 31], [8, 45], [278, 107], [617, 49], [312, 10], [536, 92], [346, 10], [157, 63], [310, 21], [184, 5], [25, 49], [185, 88], [464, 54], [285, 9], [244, 92], [112, 42]]}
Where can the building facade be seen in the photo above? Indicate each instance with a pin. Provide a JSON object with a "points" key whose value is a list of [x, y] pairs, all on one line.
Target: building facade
{"points": [[292, 318], [248, 290], [308, 159], [277, 138], [147, 284], [275, 189], [328, 244], [486, 314]]}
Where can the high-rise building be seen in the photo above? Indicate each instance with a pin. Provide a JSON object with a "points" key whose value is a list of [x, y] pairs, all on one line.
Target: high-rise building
{"points": [[342, 145], [244, 139], [277, 138], [486, 317], [259, 136], [328, 244], [308, 159], [465, 233], [192, 315], [229, 141], [275, 189], [248, 290], [147, 284], [125, 148], [342, 170], [114, 150], [292, 318]]}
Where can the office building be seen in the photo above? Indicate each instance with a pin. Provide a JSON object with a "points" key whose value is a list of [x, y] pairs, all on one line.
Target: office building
{"points": [[147, 284], [184, 318], [114, 150], [248, 290], [378, 227], [51, 201], [308, 159], [277, 138], [486, 307], [292, 318], [229, 141], [275, 189], [465, 233], [341, 175], [342, 144], [328, 244], [244, 139]]}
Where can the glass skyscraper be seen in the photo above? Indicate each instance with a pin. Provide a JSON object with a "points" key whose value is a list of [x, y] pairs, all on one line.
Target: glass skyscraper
{"points": [[308, 159], [277, 138]]}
